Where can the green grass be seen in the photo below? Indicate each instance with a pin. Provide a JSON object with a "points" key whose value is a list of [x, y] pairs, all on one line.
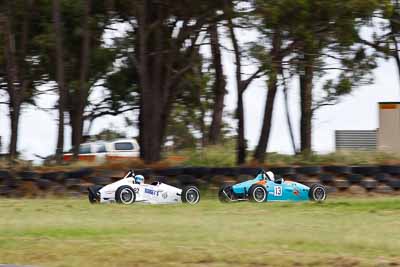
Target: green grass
{"points": [[225, 156], [67, 232]]}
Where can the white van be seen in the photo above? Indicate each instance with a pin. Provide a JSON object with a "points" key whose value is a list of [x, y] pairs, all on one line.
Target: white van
{"points": [[101, 151]]}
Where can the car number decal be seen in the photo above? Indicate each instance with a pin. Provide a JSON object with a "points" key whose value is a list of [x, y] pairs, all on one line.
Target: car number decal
{"points": [[278, 191]]}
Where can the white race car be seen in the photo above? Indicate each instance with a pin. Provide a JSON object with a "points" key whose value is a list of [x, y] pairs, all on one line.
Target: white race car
{"points": [[132, 188]]}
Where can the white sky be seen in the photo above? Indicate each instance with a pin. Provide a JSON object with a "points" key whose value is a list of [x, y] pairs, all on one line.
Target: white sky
{"points": [[357, 111]]}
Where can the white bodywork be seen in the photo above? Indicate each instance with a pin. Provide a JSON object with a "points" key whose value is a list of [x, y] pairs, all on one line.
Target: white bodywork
{"points": [[155, 193]]}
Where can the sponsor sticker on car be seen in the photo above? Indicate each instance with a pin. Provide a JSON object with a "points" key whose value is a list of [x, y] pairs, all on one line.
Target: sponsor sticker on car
{"points": [[151, 192]]}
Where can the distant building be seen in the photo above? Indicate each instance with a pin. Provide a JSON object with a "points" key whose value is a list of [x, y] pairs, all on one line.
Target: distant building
{"points": [[389, 127], [385, 138], [358, 139]]}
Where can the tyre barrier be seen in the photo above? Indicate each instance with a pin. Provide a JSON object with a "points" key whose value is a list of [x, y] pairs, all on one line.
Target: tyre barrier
{"points": [[309, 170], [365, 170], [339, 179], [337, 170]]}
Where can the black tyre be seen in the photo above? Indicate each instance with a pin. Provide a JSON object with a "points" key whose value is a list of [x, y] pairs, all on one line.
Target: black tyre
{"points": [[80, 174], [341, 184], [224, 171], [125, 195], [12, 183], [258, 193], [53, 176], [170, 172], [224, 193], [365, 170], [92, 193], [391, 169], [5, 175], [317, 193], [326, 178], [28, 176], [186, 179], [394, 183], [355, 178], [383, 177], [196, 171], [369, 184], [44, 184], [190, 195], [309, 170], [337, 169], [71, 182]]}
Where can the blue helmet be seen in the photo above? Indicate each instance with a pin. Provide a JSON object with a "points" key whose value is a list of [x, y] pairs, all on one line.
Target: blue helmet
{"points": [[139, 179]]}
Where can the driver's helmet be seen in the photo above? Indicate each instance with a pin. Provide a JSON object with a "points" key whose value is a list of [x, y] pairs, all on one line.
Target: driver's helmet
{"points": [[139, 179], [270, 176]]}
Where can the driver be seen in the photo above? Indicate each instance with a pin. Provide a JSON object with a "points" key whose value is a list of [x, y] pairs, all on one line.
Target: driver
{"points": [[270, 176], [139, 179]]}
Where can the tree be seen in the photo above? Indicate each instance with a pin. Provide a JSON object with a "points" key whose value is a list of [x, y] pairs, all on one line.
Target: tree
{"points": [[317, 33], [168, 35], [242, 83], [20, 67], [187, 127], [330, 29], [62, 92], [79, 100], [273, 69], [218, 86], [86, 59], [385, 40]]}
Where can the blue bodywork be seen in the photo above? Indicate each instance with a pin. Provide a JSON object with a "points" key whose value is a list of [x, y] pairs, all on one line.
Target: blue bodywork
{"points": [[277, 190]]}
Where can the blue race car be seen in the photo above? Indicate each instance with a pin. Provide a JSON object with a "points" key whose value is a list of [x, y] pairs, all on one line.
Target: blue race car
{"points": [[266, 188]]}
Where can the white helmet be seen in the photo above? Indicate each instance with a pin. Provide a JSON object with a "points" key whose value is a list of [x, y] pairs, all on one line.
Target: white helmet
{"points": [[139, 179], [270, 175]]}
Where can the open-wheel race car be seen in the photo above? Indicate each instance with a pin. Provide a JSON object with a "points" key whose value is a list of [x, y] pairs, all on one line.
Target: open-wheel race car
{"points": [[264, 187], [132, 189]]}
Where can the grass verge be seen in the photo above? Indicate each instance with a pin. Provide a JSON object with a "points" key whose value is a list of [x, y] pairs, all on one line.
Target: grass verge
{"points": [[67, 232]]}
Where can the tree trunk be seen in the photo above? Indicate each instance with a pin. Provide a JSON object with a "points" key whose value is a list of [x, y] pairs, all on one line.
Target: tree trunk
{"points": [[241, 87], [14, 123], [287, 112], [154, 99], [306, 86], [276, 59], [241, 144], [394, 26], [60, 78], [159, 73], [218, 87], [261, 148], [14, 86], [241, 141], [83, 90], [396, 55]]}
